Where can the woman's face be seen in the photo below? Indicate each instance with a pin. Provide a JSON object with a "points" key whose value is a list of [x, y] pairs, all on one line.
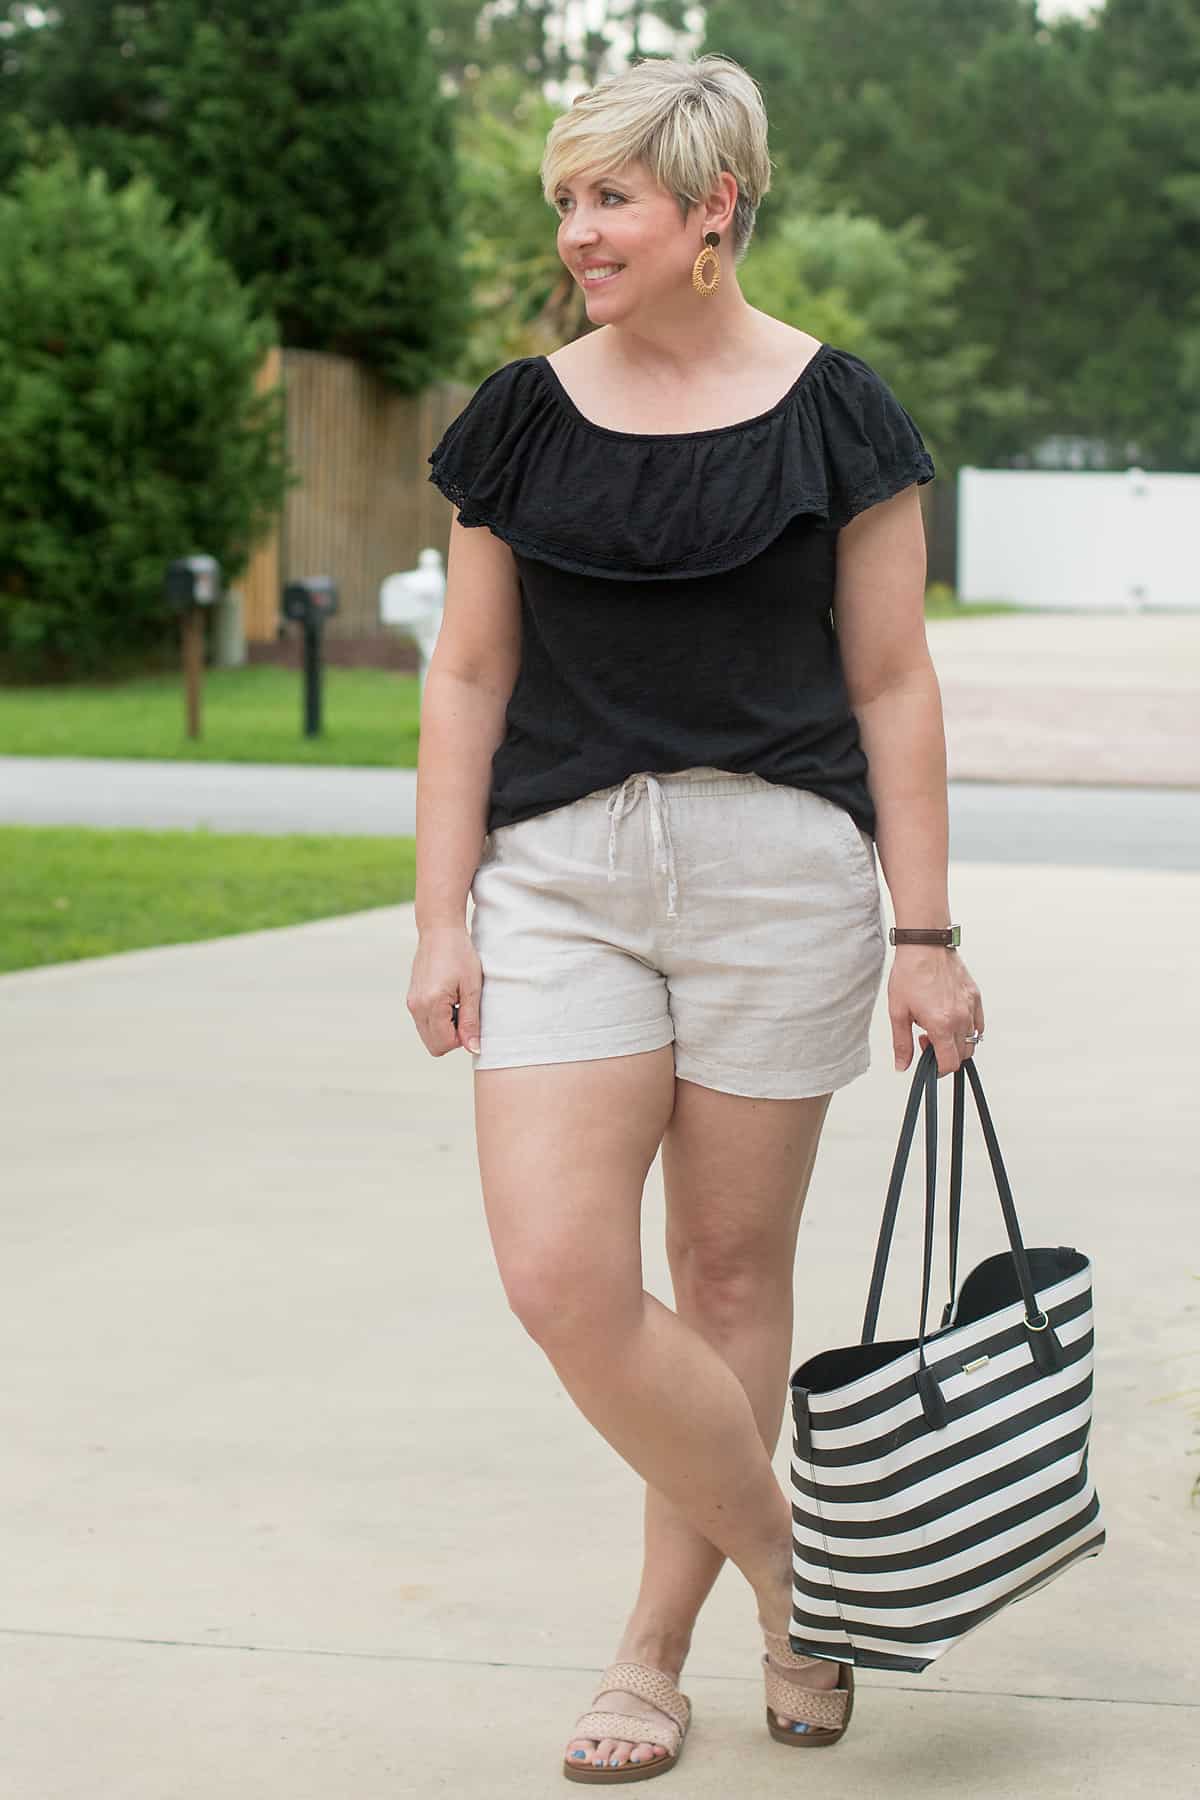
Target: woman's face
{"points": [[622, 216]]}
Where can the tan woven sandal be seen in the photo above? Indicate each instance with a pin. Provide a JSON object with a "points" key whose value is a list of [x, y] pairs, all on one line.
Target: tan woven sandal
{"points": [[826, 1711], [656, 1687]]}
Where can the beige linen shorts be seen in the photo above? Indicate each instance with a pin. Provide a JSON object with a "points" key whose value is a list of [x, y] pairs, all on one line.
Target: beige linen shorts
{"points": [[732, 916]]}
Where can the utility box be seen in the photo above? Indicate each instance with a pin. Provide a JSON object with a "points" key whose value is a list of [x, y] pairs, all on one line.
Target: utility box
{"points": [[413, 602]]}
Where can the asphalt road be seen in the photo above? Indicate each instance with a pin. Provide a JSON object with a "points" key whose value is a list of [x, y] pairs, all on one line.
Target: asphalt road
{"points": [[999, 822]]}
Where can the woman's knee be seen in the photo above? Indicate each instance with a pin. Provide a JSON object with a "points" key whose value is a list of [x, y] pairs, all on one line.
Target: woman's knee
{"points": [[732, 1283], [568, 1306]]}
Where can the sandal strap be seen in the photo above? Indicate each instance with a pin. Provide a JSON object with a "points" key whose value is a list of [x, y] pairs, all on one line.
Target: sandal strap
{"points": [[651, 1684], [777, 1643], [629, 1729], [823, 1707]]}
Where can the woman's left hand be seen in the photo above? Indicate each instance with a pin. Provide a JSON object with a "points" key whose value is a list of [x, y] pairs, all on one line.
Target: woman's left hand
{"points": [[931, 988]]}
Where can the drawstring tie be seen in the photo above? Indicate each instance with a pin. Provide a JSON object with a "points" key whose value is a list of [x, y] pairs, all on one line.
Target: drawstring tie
{"points": [[623, 800]]}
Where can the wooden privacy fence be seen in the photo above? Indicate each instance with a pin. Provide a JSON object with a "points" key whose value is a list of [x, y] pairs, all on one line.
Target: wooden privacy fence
{"points": [[364, 506]]}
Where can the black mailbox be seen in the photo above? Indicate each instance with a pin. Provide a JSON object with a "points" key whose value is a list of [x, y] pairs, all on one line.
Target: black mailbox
{"points": [[310, 602], [191, 586], [192, 581]]}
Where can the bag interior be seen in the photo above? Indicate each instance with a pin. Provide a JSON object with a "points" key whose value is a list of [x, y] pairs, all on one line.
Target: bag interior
{"points": [[991, 1285]]}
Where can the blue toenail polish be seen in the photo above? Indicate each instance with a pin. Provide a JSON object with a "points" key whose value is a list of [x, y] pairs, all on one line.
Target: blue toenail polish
{"points": [[799, 1727], [579, 1753], [613, 1761]]}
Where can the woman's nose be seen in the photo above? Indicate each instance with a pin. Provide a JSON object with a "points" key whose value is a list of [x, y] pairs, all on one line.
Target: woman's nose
{"points": [[576, 227]]}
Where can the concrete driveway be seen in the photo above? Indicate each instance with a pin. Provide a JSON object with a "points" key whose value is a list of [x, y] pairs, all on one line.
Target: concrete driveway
{"points": [[293, 1507]]}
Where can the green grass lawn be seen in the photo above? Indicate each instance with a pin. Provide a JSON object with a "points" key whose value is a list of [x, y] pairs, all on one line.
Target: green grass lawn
{"points": [[252, 714], [69, 893]]}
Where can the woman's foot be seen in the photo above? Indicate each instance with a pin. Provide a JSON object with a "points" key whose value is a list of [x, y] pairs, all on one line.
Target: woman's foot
{"points": [[819, 1674], [657, 1653]]}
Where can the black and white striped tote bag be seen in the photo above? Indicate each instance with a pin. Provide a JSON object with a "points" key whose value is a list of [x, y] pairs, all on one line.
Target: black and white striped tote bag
{"points": [[938, 1478]]}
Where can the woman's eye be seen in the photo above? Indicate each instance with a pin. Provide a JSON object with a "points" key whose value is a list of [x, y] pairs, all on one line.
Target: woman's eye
{"points": [[605, 194]]}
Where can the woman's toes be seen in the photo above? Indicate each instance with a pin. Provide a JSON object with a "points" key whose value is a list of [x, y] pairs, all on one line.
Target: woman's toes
{"points": [[604, 1749], [619, 1755], [581, 1750]]}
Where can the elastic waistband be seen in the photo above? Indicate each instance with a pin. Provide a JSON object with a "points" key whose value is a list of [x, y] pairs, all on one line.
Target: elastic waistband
{"points": [[704, 780]]}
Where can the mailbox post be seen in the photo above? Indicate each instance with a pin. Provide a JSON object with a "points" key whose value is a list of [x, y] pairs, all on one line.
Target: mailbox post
{"points": [[192, 584], [309, 603]]}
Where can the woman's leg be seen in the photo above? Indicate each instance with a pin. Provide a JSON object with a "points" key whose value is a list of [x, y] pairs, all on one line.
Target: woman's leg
{"points": [[564, 1150], [736, 1173]]}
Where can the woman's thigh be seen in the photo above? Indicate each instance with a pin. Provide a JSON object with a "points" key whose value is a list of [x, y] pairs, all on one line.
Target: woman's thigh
{"points": [[564, 1150], [735, 1175]]}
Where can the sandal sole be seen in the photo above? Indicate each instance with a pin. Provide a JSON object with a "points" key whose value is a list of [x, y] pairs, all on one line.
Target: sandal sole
{"points": [[630, 1772]]}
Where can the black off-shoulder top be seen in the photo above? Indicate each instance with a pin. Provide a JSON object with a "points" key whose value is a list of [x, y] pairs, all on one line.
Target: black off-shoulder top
{"points": [[677, 587]]}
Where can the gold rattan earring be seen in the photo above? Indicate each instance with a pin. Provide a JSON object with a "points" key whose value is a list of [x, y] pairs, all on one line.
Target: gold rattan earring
{"points": [[711, 240]]}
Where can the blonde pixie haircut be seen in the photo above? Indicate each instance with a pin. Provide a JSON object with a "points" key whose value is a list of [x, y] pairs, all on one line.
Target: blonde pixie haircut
{"points": [[686, 122]]}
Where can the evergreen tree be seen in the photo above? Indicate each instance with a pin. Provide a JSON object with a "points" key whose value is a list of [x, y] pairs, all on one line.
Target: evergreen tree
{"points": [[131, 431], [310, 135]]}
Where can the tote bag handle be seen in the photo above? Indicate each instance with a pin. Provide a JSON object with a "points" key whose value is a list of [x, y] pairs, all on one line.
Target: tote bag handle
{"points": [[1043, 1343]]}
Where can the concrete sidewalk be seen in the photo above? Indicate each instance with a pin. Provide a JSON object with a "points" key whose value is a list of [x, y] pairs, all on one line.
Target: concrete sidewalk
{"points": [[295, 1508]]}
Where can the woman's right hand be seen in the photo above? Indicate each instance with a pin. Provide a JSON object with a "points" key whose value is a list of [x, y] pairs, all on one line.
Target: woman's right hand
{"points": [[446, 969]]}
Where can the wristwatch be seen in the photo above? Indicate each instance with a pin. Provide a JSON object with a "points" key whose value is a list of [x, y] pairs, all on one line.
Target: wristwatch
{"points": [[949, 936]]}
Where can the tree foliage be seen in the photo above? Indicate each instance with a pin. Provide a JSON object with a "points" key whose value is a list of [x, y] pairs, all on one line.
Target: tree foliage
{"points": [[312, 137], [130, 428]]}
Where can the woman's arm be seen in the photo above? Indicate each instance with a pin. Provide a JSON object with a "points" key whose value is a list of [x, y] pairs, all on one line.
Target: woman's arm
{"points": [[903, 736], [467, 689], [879, 613]]}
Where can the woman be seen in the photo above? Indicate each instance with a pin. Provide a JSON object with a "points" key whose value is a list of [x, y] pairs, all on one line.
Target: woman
{"points": [[680, 697]]}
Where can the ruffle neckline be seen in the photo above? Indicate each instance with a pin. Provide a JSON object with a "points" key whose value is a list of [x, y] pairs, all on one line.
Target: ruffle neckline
{"points": [[522, 459]]}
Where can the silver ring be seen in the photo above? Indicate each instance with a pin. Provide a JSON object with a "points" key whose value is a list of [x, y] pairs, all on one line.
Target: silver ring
{"points": [[972, 1037]]}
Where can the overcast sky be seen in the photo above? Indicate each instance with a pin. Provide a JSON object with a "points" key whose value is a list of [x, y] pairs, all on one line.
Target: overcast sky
{"points": [[1049, 8]]}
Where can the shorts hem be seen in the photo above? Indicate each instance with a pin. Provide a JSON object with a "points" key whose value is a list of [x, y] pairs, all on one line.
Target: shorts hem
{"points": [[562, 1047], [772, 1084]]}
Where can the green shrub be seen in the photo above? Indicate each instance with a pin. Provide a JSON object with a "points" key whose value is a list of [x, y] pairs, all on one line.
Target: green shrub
{"points": [[130, 429]]}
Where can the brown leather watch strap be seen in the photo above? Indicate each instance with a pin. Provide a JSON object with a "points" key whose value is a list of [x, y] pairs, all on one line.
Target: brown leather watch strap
{"points": [[949, 936]]}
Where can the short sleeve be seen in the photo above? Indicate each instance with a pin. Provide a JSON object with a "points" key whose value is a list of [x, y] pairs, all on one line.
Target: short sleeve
{"points": [[469, 463], [873, 448]]}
